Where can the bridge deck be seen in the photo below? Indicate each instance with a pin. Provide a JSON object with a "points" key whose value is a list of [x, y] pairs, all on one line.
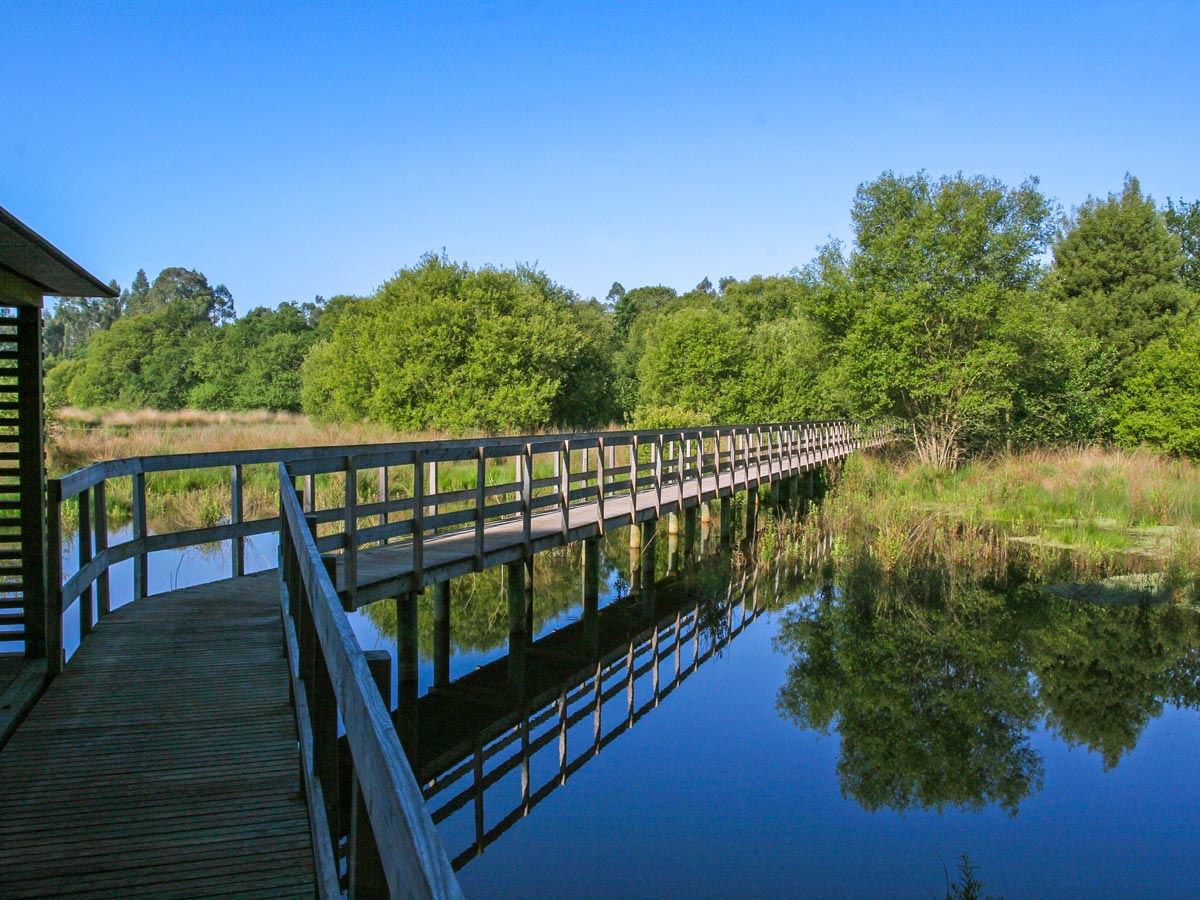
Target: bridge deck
{"points": [[163, 761]]}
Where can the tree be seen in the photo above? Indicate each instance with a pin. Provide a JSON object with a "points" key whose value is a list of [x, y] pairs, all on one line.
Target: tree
{"points": [[186, 291], [929, 302], [691, 370], [75, 319], [1183, 221], [1116, 273], [254, 362], [1159, 404], [448, 347]]}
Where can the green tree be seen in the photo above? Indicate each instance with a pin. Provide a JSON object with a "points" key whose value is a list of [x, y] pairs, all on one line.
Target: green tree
{"points": [[1116, 273], [930, 299], [1159, 404], [253, 362], [692, 368], [1183, 221], [444, 346]]}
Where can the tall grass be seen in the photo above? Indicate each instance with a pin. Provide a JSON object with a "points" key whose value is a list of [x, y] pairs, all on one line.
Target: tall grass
{"points": [[904, 531]]}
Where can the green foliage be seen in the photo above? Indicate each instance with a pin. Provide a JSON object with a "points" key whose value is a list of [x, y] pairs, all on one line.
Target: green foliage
{"points": [[1183, 220], [1116, 273], [1160, 403], [693, 364], [254, 362], [932, 303], [447, 347]]}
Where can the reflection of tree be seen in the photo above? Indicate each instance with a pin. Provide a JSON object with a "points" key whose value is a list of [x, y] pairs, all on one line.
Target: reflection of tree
{"points": [[933, 708], [1104, 673], [479, 604]]}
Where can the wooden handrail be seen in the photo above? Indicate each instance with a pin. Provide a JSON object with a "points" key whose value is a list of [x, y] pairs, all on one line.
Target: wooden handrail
{"points": [[410, 851]]}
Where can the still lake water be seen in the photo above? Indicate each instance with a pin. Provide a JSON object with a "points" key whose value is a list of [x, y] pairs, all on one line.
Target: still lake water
{"points": [[826, 751]]}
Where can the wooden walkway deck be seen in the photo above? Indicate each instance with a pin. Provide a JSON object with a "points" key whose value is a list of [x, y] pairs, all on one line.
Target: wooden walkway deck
{"points": [[163, 761]]}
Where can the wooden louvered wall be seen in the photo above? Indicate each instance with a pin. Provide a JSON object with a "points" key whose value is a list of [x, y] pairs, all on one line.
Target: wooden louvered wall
{"points": [[22, 523]]}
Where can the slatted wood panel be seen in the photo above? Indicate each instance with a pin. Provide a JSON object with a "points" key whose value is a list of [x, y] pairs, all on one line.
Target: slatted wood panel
{"points": [[163, 761], [12, 587]]}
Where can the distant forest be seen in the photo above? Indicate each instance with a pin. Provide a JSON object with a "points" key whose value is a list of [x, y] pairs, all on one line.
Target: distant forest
{"points": [[977, 313]]}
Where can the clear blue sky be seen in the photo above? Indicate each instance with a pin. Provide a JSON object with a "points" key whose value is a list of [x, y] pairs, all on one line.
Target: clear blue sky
{"points": [[292, 149]]}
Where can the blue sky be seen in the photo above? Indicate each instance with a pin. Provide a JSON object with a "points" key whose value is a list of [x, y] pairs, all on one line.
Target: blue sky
{"points": [[297, 149]]}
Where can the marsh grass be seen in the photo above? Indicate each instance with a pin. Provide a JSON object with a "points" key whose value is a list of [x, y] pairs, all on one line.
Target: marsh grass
{"points": [[904, 532]]}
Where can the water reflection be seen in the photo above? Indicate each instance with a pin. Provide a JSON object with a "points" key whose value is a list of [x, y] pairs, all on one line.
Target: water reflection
{"points": [[935, 706]]}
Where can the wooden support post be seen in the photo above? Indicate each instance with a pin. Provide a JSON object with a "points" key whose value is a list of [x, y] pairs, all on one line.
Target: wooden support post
{"points": [[633, 475], [365, 866], [100, 516], [310, 493], [672, 541], [751, 513], [50, 631], [689, 533], [529, 596], [140, 575], [237, 548], [726, 522], [407, 672], [518, 633], [441, 634], [658, 474], [84, 541], [591, 596], [649, 552]]}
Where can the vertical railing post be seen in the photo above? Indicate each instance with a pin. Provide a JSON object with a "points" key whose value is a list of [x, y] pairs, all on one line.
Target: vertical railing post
{"points": [[658, 474], [633, 467], [383, 494], [564, 488], [84, 542], [600, 481], [527, 498], [480, 505], [350, 538], [100, 529], [431, 490], [418, 523], [140, 575], [54, 582], [236, 514], [310, 493]]}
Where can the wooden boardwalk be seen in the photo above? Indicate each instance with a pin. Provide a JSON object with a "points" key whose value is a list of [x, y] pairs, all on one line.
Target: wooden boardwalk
{"points": [[163, 761]]}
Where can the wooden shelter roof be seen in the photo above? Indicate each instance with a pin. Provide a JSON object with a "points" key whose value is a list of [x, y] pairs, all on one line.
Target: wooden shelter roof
{"points": [[29, 256]]}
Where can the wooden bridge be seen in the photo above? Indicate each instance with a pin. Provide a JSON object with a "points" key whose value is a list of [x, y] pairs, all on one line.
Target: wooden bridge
{"points": [[232, 739], [191, 745]]}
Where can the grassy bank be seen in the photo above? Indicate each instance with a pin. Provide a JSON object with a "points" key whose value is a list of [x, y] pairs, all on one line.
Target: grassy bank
{"points": [[1068, 516]]}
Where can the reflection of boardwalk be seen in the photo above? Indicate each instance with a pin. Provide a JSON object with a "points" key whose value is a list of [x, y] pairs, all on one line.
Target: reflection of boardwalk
{"points": [[476, 732], [163, 761]]}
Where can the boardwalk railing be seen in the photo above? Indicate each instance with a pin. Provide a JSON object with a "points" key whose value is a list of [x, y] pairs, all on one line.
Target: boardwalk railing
{"points": [[412, 491], [392, 847]]}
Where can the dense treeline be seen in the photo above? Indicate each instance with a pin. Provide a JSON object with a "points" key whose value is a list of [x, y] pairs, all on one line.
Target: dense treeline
{"points": [[974, 311]]}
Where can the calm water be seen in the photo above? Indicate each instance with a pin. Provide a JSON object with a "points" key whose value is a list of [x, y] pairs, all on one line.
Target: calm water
{"points": [[811, 747]]}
